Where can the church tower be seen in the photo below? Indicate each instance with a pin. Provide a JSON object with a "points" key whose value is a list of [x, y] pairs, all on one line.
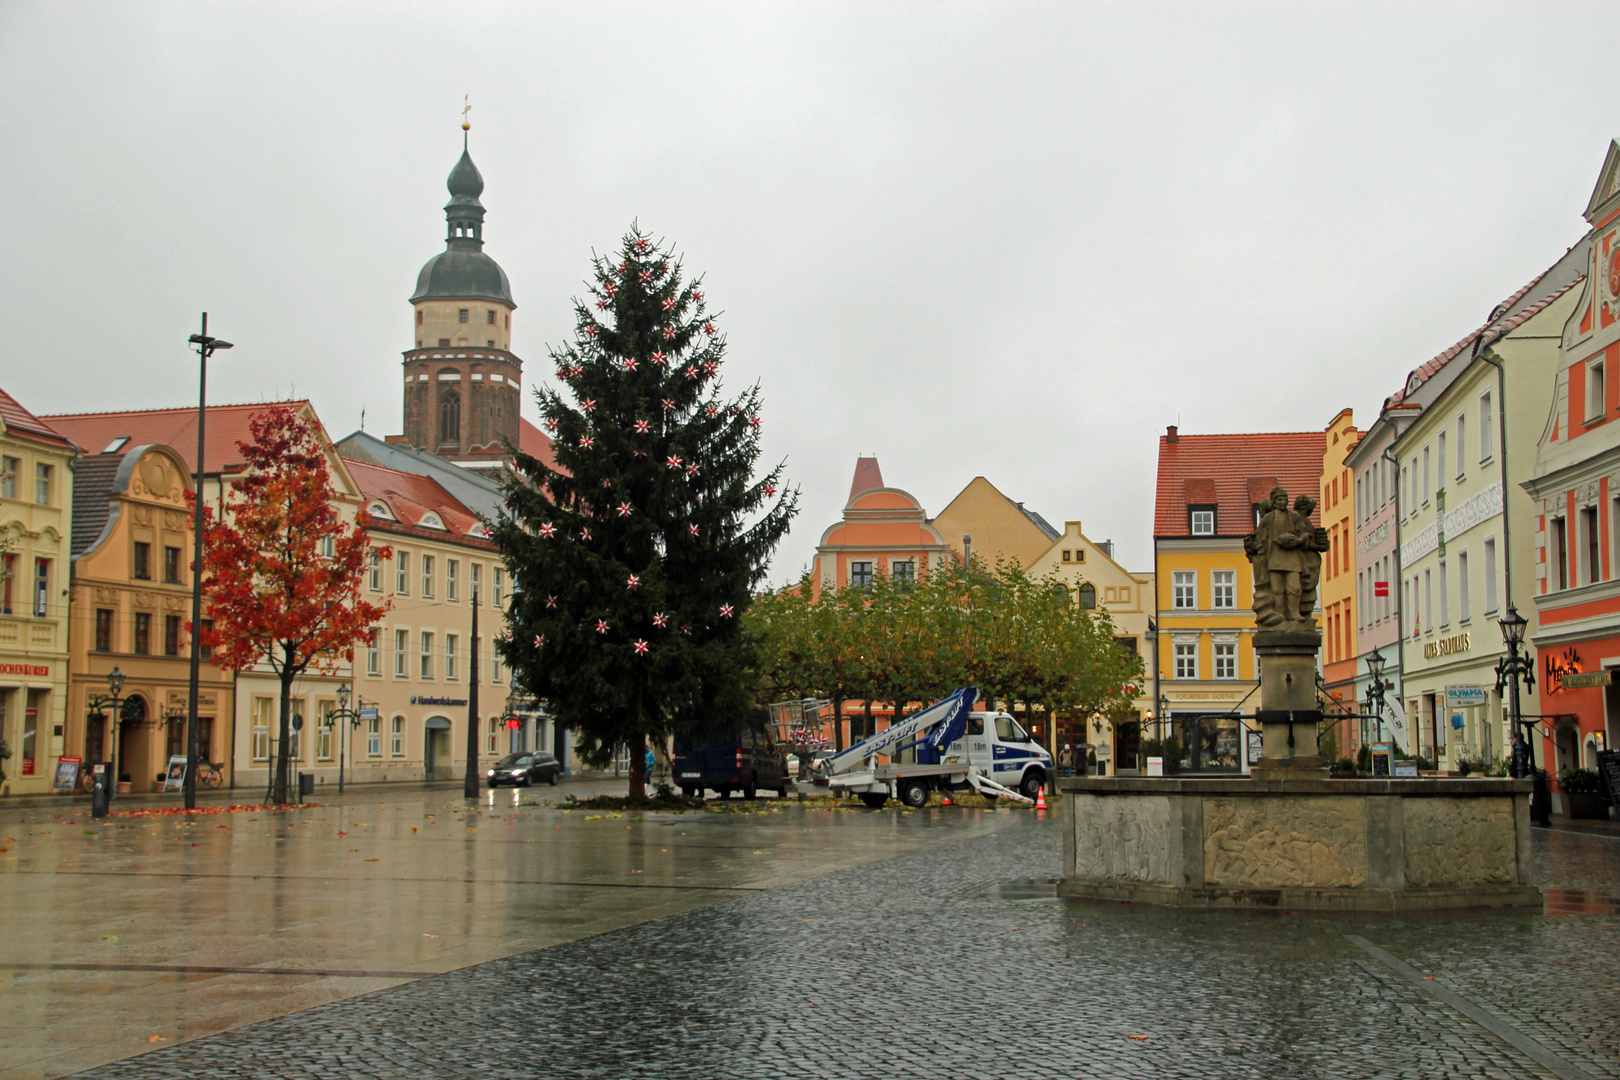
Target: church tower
{"points": [[462, 382]]}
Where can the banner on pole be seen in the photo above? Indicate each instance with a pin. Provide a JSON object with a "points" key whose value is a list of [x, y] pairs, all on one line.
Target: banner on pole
{"points": [[1395, 721]]}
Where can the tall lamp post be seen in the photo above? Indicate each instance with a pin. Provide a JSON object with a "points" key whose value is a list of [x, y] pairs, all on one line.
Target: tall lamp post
{"points": [[1377, 688], [343, 712], [206, 347], [1509, 671], [101, 797], [469, 786]]}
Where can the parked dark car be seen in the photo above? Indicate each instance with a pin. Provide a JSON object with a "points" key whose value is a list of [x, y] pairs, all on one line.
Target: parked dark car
{"points": [[747, 759], [521, 770]]}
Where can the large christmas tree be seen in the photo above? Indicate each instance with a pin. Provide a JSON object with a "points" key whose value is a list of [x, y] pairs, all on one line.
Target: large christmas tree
{"points": [[634, 559]]}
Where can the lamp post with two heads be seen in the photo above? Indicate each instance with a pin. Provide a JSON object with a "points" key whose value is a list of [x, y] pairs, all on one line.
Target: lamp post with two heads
{"points": [[206, 346], [1510, 671], [101, 794]]}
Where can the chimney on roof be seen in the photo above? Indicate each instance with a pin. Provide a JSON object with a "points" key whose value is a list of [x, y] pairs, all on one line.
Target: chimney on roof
{"points": [[1170, 435], [1107, 548]]}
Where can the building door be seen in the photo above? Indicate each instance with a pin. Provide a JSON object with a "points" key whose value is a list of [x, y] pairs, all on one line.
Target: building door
{"points": [[436, 762], [135, 746], [1127, 745]]}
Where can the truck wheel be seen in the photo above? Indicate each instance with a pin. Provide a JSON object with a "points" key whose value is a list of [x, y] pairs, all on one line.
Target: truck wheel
{"points": [[1030, 786], [724, 793], [874, 799], [914, 793]]}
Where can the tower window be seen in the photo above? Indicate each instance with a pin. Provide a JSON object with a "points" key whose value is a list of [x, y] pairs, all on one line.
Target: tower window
{"points": [[444, 343], [509, 322], [491, 318], [418, 316], [450, 417], [490, 344], [463, 314]]}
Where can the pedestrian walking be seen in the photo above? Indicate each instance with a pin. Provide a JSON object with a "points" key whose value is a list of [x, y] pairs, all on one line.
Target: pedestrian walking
{"points": [[650, 760], [1066, 760]]}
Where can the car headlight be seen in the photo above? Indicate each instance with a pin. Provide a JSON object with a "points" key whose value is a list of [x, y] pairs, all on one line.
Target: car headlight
{"points": [[491, 772]]}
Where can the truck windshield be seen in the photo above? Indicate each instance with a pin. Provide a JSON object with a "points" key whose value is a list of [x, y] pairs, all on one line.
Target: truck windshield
{"points": [[1007, 730]]}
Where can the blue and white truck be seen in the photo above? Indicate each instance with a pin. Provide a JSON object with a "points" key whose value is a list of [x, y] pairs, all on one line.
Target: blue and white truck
{"points": [[956, 749]]}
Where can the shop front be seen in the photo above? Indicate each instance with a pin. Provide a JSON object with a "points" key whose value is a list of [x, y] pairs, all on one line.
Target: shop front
{"points": [[1578, 693]]}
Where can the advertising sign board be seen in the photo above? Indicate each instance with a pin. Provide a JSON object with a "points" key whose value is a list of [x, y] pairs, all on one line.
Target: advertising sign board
{"points": [[1395, 722]]}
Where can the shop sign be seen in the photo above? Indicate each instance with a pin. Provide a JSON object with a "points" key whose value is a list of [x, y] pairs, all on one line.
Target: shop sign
{"points": [[437, 700], [67, 773], [1380, 588], [1446, 646], [1560, 668], [1582, 680], [38, 671], [1464, 697]]}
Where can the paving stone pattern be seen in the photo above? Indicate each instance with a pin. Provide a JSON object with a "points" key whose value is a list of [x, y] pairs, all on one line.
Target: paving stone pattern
{"points": [[957, 962]]}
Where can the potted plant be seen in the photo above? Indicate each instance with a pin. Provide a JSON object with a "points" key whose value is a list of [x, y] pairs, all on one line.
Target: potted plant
{"points": [[123, 783], [1583, 796]]}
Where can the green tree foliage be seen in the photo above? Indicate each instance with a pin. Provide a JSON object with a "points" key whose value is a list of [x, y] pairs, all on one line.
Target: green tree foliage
{"points": [[1014, 636], [634, 560]]}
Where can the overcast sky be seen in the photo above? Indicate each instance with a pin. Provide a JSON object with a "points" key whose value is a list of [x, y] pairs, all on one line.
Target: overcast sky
{"points": [[1004, 240]]}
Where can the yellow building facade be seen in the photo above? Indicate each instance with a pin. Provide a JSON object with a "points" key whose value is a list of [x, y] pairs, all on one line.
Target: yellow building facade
{"points": [[1336, 594], [36, 502], [994, 527]]}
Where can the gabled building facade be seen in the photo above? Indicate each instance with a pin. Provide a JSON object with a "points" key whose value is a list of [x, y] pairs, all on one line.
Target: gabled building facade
{"points": [[36, 504], [884, 530], [1340, 607], [993, 527]]}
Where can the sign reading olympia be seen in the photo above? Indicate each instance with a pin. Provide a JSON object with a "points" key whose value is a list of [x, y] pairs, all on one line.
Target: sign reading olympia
{"points": [[1462, 697]]}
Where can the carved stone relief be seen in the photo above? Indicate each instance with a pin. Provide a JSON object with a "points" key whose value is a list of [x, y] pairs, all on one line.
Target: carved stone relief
{"points": [[143, 515], [1121, 838], [1460, 842], [1285, 842], [174, 520]]}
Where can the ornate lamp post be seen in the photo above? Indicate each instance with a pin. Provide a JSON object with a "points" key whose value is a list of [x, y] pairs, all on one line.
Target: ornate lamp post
{"points": [[1513, 668], [343, 712], [1377, 688], [206, 347], [101, 796]]}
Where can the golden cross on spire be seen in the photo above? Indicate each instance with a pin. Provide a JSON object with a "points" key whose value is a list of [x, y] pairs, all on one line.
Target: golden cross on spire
{"points": [[465, 109]]}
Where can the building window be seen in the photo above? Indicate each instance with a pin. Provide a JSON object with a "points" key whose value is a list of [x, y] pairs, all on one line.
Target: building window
{"points": [[462, 317], [42, 484], [204, 650], [1486, 417], [328, 548], [1425, 476], [1594, 392], [450, 417], [444, 342], [171, 565], [1183, 589], [1428, 599], [1490, 575], [1068, 556], [494, 666], [1463, 599], [498, 579], [374, 652], [1088, 597], [1445, 596], [1226, 660], [427, 577], [143, 632], [375, 579], [104, 623], [1560, 552], [860, 574], [401, 643], [323, 729], [494, 746], [903, 571], [9, 468], [490, 316], [171, 635], [1186, 660], [143, 561], [1462, 443], [1224, 586], [473, 568], [451, 573], [418, 316], [1594, 559], [42, 587], [427, 656], [263, 710], [1203, 520], [450, 657], [374, 738], [396, 737], [402, 573]]}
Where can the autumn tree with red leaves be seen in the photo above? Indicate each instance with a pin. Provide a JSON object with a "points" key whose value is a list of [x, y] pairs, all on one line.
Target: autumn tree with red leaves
{"points": [[274, 596]]}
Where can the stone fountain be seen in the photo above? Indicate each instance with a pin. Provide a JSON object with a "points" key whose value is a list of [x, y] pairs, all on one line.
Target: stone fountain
{"points": [[1287, 835]]}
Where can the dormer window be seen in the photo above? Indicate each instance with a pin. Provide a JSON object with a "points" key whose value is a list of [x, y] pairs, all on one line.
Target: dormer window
{"points": [[1201, 520]]}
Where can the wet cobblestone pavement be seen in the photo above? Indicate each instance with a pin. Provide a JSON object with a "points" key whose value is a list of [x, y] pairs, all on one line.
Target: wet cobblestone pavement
{"points": [[957, 961]]}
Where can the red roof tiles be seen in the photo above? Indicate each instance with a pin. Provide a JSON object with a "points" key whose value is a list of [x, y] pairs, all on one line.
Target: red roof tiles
{"points": [[1234, 472], [19, 421], [174, 428], [537, 444], [411, 498]]}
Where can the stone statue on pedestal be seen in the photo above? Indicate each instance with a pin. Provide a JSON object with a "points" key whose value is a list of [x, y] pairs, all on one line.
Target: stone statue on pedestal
{"points": [[1286, 553]]}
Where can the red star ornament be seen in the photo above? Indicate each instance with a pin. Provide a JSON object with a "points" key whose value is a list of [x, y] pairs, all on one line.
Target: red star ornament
{"points": [[607, 481], [551, 603], [601, 626], [590, 330], [693, 529], [611, 289], [641, 648], [697, 297], [692, 469], [711, 412], [601, 305], [669, 333], [674, 463], [668, 404], [588, 404], [586, 442], [645, 276], [551, 423], [632, 581], [727, 611], [629, 363], [753, 422], [708, 328], [643, 426], [669, 303], [660, 620], [710, 367], [548, 530], [686, 630], [584, 534], [624, 509], [659, 358], [539, 641], [770, 491], [691, 372]]}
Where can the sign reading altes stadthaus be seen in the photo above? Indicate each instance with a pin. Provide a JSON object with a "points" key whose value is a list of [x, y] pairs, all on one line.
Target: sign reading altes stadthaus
{"points": [[1457, 643]]}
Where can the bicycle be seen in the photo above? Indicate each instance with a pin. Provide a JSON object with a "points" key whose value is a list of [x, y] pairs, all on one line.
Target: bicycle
{"points": [[211, 774]]}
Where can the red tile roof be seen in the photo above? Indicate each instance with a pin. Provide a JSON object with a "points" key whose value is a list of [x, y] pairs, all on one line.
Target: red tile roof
{"points": [[412, 498], [867, 477], [175, 428], [1238, 470], [21, 422], [537, 444]]}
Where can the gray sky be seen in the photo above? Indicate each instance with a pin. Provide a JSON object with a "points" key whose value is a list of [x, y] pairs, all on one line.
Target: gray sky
{"points": [[1009, 240]]}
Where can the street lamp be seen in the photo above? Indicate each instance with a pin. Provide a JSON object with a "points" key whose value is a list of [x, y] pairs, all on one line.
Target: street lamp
{"points": [[343, 712], [1509, 671], [206, 347], [101, 796], [1164, 716], [1375, 691]]}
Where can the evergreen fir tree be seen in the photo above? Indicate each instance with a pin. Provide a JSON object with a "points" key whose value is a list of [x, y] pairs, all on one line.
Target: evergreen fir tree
{"points": [[633, 561]]}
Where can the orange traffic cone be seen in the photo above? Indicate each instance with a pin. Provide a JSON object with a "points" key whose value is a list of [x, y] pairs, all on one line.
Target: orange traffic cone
{"points": [[945, 801], [1040, 799]]}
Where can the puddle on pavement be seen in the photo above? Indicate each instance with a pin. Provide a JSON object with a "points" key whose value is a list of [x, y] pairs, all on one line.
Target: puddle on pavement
{"points": [[1026, 889]]}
